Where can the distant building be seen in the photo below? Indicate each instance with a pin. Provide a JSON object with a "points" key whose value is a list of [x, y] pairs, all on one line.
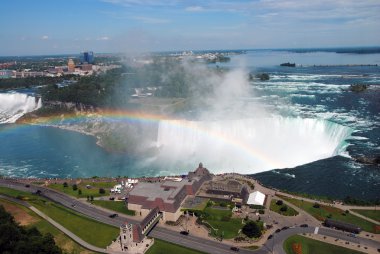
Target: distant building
{"points": [[86, 67], [70, 65], [227, 190], [87, 57], [6, 74], [168, 195]]}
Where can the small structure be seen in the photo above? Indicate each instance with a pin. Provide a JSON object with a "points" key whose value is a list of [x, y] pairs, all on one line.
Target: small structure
{"points": [[132, 236], [256, 198], [342, 226]]}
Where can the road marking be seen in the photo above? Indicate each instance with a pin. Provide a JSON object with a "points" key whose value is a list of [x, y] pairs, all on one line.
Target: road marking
{"points": [[316, 230]]}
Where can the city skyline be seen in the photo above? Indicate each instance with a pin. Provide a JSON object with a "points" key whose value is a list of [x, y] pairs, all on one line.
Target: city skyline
{"points": [[64, 27]]}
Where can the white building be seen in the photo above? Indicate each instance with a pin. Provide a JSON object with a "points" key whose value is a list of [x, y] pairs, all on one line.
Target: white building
{"points": [[256, 198]]}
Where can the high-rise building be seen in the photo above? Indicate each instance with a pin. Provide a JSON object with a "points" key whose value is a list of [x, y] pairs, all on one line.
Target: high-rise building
{"points": [[87, 57], [71, 65]]}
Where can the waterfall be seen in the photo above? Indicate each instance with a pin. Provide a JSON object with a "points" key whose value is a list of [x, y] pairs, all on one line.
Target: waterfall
{"points": [[250, 145], [15, 105]]}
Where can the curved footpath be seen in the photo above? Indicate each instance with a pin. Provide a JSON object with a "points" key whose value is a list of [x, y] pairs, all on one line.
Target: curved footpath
{"points": [[57, 225], [273, 245]]}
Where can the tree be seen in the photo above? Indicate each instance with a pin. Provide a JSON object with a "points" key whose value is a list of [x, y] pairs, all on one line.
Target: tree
{"points": [[17, 239], [102, 191], [251, 229], [65, 185], [279, 202], [75, 187], [284, 208]]}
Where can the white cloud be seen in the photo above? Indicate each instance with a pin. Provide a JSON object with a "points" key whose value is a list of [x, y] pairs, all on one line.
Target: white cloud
{"points": [[103, 38], [194, 8], [44, 37]]}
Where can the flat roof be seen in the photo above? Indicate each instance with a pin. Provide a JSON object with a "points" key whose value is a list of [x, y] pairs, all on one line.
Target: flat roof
{"points": [[166, 190]]}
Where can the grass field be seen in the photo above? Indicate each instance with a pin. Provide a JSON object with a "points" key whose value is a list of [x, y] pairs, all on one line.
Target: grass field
{"points": [[82, 226], [277, 208], [17, 194], [310, 246], [162, 247], [221, 220], [93, 191], [373, 214], [334, 213], [78, 224], [117, 206], [28, 218]]}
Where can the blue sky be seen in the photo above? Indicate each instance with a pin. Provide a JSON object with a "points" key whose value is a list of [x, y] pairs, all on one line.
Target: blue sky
{"points": [[30, 27]]}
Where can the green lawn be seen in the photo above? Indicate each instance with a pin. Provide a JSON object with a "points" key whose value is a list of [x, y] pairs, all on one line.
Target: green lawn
{"points": [[117, 206], [63, 241], [17, 194], [310, 246], [373, 214], [78, 224], [221, 220], [276, 208], [334, 213], [163, 247], [93, 191], [82, 226]]}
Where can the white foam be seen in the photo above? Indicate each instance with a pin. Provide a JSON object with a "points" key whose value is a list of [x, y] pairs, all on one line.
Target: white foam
{"points": [[250, 145], [15, 105]]}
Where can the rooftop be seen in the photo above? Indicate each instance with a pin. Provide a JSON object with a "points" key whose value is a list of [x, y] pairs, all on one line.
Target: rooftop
{"points": [[166, 190]]}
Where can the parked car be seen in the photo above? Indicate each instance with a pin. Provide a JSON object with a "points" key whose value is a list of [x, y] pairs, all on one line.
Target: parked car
{"points": [[270, 237], [183, 232], [304, 225], [113, 215], [277, 230], [27, 185], [234, 248], [284, 228]]}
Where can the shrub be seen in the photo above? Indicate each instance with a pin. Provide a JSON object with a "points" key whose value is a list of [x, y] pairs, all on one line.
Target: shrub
{"points": [[279, 202], [102, 191], [283, 208], [75, 187], [65, 185], [79, 192], [251, 229], [239, 238], [316, 205], [261, 211]]}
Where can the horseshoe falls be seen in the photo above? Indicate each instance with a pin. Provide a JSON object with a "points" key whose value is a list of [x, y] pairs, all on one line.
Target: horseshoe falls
{"points": [[251, 145]]}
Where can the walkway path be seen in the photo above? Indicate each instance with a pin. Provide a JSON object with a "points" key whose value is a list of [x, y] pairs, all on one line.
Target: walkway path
{"points": [[57, 225], [364, 217]]}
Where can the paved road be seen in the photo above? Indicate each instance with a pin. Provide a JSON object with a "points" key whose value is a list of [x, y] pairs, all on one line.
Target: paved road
{"points": [[190, 241]]}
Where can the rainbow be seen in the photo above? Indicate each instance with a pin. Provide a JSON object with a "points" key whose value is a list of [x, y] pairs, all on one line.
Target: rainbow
{"points": [[138, 116]]}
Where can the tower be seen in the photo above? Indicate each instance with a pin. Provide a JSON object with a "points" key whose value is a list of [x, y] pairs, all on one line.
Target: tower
{"points": [[87, 57], [71, 65]]}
